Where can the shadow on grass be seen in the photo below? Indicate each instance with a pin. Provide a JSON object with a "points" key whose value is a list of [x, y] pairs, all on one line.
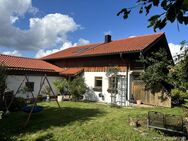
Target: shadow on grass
{"points": [[50, 117]]}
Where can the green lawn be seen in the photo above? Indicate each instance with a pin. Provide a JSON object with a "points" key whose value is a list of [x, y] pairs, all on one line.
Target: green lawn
{"points": [[81, 121]]}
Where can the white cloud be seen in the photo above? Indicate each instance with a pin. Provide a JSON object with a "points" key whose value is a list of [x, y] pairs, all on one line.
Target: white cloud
{"points": [[13, 19], [131, 36], [66, 45], [43, 52], [82, 41], [13, 53], [47, 32], [174, 49]]}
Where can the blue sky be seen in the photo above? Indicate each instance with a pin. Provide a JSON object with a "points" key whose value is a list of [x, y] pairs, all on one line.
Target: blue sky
{"points": [[77, 22]]}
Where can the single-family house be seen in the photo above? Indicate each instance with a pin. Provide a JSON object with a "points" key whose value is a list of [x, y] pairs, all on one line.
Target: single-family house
{"points": [[94, 61]]}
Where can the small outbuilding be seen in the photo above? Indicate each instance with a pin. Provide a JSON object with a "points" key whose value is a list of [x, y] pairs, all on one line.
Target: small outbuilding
{"points": [[19, 68]]}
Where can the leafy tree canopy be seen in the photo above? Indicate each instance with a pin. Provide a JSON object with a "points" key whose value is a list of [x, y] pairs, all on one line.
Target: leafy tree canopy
{"points": [[173, 10], [161, 75], [156, 72]]}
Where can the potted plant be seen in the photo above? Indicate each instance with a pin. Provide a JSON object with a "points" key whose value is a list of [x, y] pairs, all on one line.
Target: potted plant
{"points": [[59, 98], [62, 86], [138, 102]]}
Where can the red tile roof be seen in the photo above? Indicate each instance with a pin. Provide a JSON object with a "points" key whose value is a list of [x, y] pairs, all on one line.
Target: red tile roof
{"points": [[71, 71], [27, 64], [131, 44]]}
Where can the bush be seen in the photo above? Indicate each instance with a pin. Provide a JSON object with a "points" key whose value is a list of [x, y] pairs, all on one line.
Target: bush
{"points": [[17, 104], [62, 85], [77, 88], [178, 96]]}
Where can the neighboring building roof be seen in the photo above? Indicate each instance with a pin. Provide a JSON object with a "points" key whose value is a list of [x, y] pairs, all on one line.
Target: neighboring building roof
{"points": [[27, 64], [71, 71], [131, 44]]}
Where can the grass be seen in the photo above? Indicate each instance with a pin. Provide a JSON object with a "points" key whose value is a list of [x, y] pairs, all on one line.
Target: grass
{"points": [[81, 121]]}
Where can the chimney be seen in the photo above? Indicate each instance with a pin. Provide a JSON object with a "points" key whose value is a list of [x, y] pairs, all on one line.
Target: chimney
{"points": [[107, 38]]}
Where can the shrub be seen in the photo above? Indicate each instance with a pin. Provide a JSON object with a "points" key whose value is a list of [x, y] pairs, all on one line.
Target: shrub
{"points": [[63, 86], [178, 96], [77, 88], [18, 104]]}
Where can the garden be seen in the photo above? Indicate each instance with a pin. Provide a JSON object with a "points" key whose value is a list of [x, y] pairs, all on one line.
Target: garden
{"points": [[83, 121]]}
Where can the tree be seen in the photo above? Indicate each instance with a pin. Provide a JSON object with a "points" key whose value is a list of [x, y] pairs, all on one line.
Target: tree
{"points": [[180, 70], [184, 60], [179, 75], [161, 75], [173, 10], [156, 74]]}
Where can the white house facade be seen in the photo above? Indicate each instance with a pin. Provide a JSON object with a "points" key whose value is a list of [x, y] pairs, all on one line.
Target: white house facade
{"points": [[14, 81]]}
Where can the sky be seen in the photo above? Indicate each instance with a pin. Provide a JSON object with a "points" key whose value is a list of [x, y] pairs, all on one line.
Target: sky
{"points": [[35, 28]]}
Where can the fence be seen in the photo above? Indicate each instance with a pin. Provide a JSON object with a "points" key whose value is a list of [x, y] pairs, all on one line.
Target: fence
{"points": [[166, 122], [157, 99]]}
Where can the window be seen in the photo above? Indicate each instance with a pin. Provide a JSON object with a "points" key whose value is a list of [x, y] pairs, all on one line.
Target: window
{"points": [[98, 84], [29, 86]]}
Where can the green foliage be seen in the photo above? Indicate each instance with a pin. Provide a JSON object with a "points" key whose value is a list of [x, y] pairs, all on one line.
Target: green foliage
{"points": [[62, 85], [178, 96], [161, 75], [17, 104], [179, 75], [46, 90], [78, 88], [3, 78], [112, 71], [156, 72], [184, 59], [172, 10]]}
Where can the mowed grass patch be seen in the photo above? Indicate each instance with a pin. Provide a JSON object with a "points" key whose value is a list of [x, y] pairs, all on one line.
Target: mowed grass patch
{"points": [[81, 121]]}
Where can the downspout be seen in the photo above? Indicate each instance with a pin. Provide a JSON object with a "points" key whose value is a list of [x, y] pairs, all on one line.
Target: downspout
{"points": [[126, 79]]}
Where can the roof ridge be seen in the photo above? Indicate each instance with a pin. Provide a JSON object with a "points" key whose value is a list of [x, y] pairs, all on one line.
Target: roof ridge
{"points": [[140, 36], [83, 49], [18, 57], [98, 43]]}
